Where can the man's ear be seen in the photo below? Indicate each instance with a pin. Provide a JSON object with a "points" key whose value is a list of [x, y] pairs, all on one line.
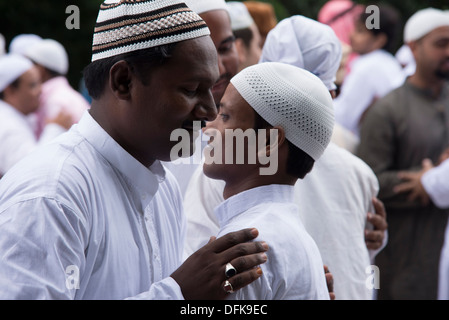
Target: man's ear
{"points": [[120, 79], [275, 139]]}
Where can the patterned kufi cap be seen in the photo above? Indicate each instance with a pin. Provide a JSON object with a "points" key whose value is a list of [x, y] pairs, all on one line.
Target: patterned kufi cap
{"points": [[129, 25], [292, 98]]}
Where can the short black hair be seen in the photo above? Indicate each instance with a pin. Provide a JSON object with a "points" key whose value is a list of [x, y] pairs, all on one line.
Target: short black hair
{"points": [[389, 24], [141, 62], [299, 163]]}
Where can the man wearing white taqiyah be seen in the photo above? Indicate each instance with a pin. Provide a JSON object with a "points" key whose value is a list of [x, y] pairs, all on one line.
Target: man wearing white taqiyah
{"points": [[19, 96], [346, 184], [94, 215], [289, 38], [57, 95], [298, 106]]}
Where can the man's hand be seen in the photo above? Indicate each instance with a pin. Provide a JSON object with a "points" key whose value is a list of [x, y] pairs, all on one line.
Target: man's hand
{"points": [[374, 238], [412, 184], [202, 275]]}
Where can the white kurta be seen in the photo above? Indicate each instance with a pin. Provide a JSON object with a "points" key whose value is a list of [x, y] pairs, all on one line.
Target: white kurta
{"points": [[294, 270], [333, 201], [372, 76], [17, 138], [82, 219]]}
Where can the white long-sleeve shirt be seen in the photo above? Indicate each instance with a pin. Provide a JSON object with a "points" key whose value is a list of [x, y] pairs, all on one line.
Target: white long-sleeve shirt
{"points": [[82, 219], [372, 76], [294, 269], [17, 138]]}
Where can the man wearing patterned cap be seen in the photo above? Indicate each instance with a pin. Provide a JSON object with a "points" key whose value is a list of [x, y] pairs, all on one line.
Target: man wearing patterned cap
{"points": [[291, 110], [94, 215], [402, 129]]}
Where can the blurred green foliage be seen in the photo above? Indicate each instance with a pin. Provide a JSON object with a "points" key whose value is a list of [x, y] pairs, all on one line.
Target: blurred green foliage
{"points": [[47, 18]]}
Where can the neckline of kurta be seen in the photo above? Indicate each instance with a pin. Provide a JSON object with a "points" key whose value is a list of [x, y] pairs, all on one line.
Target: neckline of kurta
{"points": [[245, 200], [146, 180]]}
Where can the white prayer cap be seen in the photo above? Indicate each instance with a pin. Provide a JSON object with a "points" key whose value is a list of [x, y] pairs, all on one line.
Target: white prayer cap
{"points": [[19, 44], [307, 44], [293, 98], [424, 22], [12, 66], [240, 16], [50, 54], [202, 6]]}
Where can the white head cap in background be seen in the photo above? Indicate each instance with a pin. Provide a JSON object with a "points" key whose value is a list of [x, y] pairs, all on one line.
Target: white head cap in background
{"points": [[50, 54], [240, 16], [202, 6], [307, 44], [292, 98], [21, 43], [423, 22], [12, 66]]}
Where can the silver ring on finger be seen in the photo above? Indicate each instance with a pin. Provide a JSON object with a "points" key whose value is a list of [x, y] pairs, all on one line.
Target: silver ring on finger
{"points": [[230, 271]]}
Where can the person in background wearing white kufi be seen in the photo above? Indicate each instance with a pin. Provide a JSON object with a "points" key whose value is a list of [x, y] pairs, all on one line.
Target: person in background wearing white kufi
{"points": [[375, 72], [297, 106], [291, 43], [20, 87], [52, 62], [404, 128], [248, 40]]}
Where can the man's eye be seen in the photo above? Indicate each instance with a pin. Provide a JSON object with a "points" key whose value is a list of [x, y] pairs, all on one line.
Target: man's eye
{"points": [[224, 117], [190, 92]]}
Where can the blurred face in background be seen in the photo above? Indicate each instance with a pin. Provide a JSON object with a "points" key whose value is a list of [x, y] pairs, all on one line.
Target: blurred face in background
{"points": [[432, 53], [24, 93], [219, 24]]}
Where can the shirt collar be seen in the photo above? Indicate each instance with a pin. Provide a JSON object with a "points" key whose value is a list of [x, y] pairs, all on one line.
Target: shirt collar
{"points": [[245, 200], [145, 179]]}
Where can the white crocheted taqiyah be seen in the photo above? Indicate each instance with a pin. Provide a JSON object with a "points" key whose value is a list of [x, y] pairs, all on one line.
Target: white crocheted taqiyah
{"points": [[293, 98], [128, 25]]}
